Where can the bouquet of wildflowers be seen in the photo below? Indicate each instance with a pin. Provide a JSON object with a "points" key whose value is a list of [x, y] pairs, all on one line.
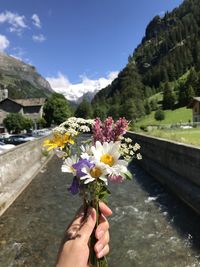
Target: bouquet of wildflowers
{"points": [[102, 159]]}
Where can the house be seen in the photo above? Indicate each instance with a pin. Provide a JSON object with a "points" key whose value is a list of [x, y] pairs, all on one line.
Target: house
{"points": [[31, 108], [195, 106]]}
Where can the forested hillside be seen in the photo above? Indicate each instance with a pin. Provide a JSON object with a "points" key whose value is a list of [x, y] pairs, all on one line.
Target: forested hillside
{"points": [[167, 60]]}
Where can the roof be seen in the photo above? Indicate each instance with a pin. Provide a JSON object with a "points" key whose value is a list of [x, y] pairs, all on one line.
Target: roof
{"points": [[193, 101], [30, 101], [27, 102]]}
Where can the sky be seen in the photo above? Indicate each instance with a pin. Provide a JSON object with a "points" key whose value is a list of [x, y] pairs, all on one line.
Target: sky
{"points": [[79, 46]]}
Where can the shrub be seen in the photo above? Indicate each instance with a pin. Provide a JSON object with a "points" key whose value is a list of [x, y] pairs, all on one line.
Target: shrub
{"points": [[159, 115]]}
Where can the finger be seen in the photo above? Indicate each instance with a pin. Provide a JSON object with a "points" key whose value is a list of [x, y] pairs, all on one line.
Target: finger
{"points": [[103, 252], [77, 221], [103, 242], [88, 226], [105, 210], [102, 227]]}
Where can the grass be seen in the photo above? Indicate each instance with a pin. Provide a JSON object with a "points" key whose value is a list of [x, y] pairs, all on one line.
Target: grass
{"points": [[172, 117], [189, 136], [180, 115]]}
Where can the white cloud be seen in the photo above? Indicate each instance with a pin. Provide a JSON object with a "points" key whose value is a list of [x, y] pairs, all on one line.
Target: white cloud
{"points": [[16, 22], [39, 38], [74, 92], [36, 20], [4, 42]]}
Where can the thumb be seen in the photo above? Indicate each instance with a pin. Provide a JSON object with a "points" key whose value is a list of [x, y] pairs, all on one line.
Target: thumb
{"points": [[88, 226]]}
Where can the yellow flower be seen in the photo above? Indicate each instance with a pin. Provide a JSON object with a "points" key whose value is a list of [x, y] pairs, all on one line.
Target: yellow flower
{"points": [[58, 140]]}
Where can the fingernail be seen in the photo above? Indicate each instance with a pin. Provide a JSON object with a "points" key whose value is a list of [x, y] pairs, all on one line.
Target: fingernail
{"points": [[100, 255], [99, 247], [100, 234]]}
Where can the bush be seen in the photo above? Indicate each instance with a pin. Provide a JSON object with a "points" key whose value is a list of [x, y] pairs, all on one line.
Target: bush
{"points": [[159, 115], [144, 128], [15, 122]]}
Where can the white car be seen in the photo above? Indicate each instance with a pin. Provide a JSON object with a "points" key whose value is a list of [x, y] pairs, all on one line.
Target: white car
{"points": [[5, 147]]}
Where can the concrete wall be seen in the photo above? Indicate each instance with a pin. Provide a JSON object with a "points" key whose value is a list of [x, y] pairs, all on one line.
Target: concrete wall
{"points": [[17, 169], [173, 164]]}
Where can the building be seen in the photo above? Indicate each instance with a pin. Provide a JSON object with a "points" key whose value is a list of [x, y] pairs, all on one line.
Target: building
{"points": [[31, 108], [195, 106]]}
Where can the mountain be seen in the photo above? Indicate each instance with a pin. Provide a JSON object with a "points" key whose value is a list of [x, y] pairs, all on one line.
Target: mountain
{"points": [[169, 50], [21, 80]]}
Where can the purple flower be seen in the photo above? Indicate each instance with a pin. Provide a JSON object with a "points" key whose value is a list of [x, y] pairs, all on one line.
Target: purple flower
{"points": [[79, 166], [74, 187]]}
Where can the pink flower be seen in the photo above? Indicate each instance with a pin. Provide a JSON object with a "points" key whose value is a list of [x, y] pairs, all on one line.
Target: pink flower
{"points": [[108, 130], [116, 178], [121, 126], [97, 131]]}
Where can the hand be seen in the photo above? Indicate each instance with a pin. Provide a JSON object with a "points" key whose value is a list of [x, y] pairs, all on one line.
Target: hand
{"points": [[74, 251]]}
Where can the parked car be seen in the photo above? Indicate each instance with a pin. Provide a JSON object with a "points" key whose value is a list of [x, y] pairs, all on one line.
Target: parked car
{"points": [[4, 147], [16, 139], [42, 132]]}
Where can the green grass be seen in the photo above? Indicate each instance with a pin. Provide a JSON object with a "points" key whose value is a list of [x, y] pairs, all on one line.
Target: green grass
{"points": [[189, 136], [180, 115]]}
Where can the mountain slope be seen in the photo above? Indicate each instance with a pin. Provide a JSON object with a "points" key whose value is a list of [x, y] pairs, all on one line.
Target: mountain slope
{"points": [[21, 79], [170, 48]]}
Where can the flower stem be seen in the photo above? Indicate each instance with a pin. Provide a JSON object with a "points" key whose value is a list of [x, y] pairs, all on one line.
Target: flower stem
{"points": [[93, 260]]}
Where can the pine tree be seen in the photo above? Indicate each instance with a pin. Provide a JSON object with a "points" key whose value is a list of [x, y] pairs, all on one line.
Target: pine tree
{"points": [[168, 97]]}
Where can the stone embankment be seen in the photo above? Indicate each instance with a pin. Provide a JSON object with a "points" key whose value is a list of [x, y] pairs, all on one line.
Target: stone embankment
{"points": [[176, 165], [18, 167]]}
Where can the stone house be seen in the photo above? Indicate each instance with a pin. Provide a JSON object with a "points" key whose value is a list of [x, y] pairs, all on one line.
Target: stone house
{"points": [[195, 106], [31, 108]]}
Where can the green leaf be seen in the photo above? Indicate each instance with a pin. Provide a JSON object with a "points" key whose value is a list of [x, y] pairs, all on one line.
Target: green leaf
{"points": [[104, 193], [129, 175]]}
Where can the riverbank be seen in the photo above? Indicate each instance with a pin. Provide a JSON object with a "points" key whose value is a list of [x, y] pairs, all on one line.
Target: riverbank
{"points": [[174, 164], [18, 167]]}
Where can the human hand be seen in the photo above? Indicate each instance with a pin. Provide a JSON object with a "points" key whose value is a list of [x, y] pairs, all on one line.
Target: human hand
{"points": [[74, 251]]}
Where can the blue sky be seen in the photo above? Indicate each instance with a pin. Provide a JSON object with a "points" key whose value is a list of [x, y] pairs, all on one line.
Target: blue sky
{"points": [[76, 44]]}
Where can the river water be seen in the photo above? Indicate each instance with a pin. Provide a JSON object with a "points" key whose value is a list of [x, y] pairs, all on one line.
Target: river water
{"points": [[149, 227]]}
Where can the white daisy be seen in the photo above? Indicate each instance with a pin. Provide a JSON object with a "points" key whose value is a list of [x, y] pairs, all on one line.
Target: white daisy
{"points": [[86, 151], [67, 165], [96, 172], [108, 154]]}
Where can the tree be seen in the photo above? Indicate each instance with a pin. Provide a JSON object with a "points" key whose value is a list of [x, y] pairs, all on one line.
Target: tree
{"points": [[56, 109], [100, 112], [153, 104], [147, 107], [15, 122], [168, 97], [41, 123], [113, 111], [84, 110], [129, 110], [190, 93], [159, 115], [28, 124]]}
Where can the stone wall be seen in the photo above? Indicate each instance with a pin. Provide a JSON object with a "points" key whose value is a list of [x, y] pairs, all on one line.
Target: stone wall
{"points": [[174, 164], [18, 167]]}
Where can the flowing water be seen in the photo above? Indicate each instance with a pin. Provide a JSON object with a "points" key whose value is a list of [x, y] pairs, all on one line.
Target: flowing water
{"points": [[149, 226]]}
